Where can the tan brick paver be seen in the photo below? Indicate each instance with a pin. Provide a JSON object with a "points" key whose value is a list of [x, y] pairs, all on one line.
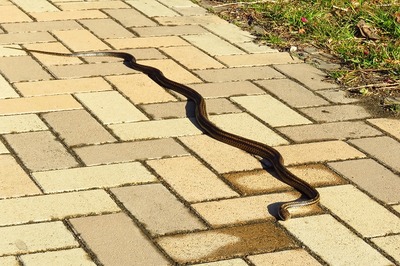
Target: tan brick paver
{"points": [[74, 256]]}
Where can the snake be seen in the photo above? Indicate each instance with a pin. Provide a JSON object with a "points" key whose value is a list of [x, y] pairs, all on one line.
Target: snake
{"points": [[262, 150]]}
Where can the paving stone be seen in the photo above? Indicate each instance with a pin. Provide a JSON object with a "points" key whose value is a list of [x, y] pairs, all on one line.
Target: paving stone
{"points": [[308, 75], [152, 8], [232, 262], [391, 126], [120, 242], [333, 131], [225, 243], [32, 70], [37, 6], [129, 151], [242, 60], [270, 110], [80, 40], [222, 157], [158, 210], [190, 10], [40, 151], [169, 30], [192, 57], [333, 242], [25, 37], [189, 20], [67, 15], [156, 129], [78, 127], [337, 96], [292, 93], [106, 28], [178, 3], [51, 87], [390, 244], [102, 104], [9, 261], [139, 88], [385, 149], [36, 237], [146, 42], [21, 123], [3, 148], [349, 204], [378, 181], [12, 14], [41, 26], [93, 5], [212, 44], [38, 104], [244, 125], [75, 256], [254, 48], [318, 152], [226, 89], [240, 73], [231, 32], [6, 90], [336, 113], [396, 208], [5, 51], [49, 60], [14, 181], [293, 257], [130, 17], [192, 180], [55, 206], [93, 177]]}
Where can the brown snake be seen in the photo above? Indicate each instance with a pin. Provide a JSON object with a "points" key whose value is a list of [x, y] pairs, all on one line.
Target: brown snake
{"points": [[250, 146]]}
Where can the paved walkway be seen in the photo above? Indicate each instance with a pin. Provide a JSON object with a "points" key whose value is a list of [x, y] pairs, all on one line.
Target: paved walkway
{"points": [[99, 165]]}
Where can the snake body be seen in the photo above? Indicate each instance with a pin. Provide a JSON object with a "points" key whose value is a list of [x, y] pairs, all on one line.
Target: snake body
{"points": [[250, 146]]}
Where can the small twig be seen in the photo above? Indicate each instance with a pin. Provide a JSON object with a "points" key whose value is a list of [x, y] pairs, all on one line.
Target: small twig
{"points": [[340, 8], [245, 3], [378, 85]]}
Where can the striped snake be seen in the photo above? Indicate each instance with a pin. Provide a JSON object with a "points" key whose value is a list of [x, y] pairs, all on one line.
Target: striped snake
{"points": [[250, 146]]}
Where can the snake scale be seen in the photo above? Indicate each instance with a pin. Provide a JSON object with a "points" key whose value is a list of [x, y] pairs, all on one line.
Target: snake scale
{"points": [[256, 148]]}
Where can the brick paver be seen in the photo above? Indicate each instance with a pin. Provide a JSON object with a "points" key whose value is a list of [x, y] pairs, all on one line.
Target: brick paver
{"points": [[99, 165]]}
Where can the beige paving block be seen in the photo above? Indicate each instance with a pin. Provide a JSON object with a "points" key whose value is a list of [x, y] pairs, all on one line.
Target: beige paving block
{"points": [[67, 15], [119, 242], [40, 151], [232, 262], [3, 148], [42, 26], [56, 206], [36, 6], [6, 51], [30, 238], [157, 209], [378, 180], [254, 48], [78, 127], [222, 157], [333, 242], [212, 44], [20, 123], [38, 104], [6, 90], [103, 105], [349, 204], [102, 176], [80, 40], [11, 13], [156, 129], [335, 130], [226, 89], [178, 3], [385, 149], [192, 180], [270, 110], [244, 125], [189, 20], [51, 59], [291, 92], [337, 96], [14, 181], [9, 261], [231, 32], [170, 30], [308, 75], [152, 8], [92, 5], [190, 10], [391, 126], [239, 73], [293, 257], [318, 152], [225, 243], [334, 113], [130, 17], [25, 37], [390, 244], [106, 28], [396, 208], [129, 151], [75, 256], [146, 42], [192, 58], [31, 69], [242, 60], [52, 87], [139, 88]]}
